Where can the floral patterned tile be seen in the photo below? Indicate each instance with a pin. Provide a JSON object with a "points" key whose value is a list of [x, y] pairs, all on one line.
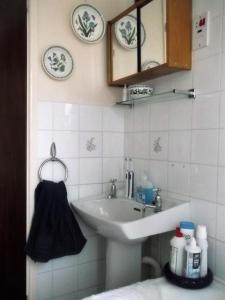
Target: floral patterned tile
{"points": [[90, 144]]}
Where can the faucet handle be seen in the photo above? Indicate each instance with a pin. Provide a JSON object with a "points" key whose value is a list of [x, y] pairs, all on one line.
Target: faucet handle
{"points": [[157, 190], [113, 180]]}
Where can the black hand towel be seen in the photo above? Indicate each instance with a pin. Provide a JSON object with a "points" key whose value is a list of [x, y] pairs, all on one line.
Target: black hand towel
{"points": [[54, 231]]}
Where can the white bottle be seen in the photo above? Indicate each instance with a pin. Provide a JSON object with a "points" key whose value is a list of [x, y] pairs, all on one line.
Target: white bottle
{"points": [[177, 245], [125, 93], [193, 258], [187, 228], [201, 237]]}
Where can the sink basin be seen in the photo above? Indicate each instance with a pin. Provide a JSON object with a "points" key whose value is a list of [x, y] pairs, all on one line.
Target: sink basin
{"points": [[122, 219], [125, 226]]}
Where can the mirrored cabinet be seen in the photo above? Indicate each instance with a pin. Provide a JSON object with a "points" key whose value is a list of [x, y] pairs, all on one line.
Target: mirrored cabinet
{"points": [[151, 38]]}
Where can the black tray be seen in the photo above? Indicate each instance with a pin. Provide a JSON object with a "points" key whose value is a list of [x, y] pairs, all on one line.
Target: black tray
{"points": [[188, 283]]}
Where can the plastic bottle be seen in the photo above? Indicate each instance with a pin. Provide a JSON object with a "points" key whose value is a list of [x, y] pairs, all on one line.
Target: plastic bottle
{"points": [[188, 229], [193, 258], [125, 93], [201, 238], [177, 245], [147, 187]]}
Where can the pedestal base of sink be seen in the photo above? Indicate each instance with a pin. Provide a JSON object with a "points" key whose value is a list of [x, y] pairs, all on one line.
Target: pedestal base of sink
{"points": [[123, 264]]}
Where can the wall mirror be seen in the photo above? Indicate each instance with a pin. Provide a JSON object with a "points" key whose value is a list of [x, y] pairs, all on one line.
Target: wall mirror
{"points": [[151, 38]]}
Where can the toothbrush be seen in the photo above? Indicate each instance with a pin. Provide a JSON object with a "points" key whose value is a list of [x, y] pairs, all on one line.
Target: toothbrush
{"points": [[131, 180], [126, 178]]}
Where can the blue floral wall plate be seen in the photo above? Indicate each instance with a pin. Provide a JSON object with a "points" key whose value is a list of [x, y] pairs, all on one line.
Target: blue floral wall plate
{"points": [[126, 32], [57, 62], [88, 23]]}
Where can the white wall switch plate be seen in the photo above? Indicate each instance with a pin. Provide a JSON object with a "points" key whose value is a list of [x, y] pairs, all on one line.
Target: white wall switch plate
{"points": [[201, 31]]}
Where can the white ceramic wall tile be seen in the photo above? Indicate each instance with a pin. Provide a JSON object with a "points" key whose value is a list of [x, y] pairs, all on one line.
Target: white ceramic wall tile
{"points": [[220, 260], [204, 212], [180, 80], [202, 74], [44, 286], [90, 144], [222, 148], [73, 171], [204, 146], [179, 146], [44, 267], [180, 114], [113, 144], [159, 116], [212, 254], [70, 296], [206, 111], [220, 234], [215, 7], [94, 250], [141, 145], [161, 85], [129, 120], [158, 173], [72, 193], [113, 119], [179, 178], [64, 262], [204, 182], [90, 190], [90, 118], [90, 170], [215, 33], [223, 72], [221, 185], [91, 274], [159, 145], [66, 116], [129, 144], [44, 140], [113, 168], [65, 281], [178, 196], [141, 117], [141, 167], [223, 31], [67, 143], [45, 115], [222, 110]]}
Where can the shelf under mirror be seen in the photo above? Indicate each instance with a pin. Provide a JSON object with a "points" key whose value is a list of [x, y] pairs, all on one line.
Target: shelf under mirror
{"points": [[161, 96]]}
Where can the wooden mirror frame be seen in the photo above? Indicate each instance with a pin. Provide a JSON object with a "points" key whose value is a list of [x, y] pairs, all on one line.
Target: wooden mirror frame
{"points": [[178, 42]]}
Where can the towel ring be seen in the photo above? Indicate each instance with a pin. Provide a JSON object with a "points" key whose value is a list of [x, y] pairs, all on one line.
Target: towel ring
{"points": [[54, 159]]}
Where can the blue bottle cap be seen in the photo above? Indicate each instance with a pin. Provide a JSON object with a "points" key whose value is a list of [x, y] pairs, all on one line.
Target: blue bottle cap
{"points": [[187, 225]]}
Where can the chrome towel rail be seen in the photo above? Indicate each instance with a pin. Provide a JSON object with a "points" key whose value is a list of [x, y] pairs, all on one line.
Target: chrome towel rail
{"points": [[53, 158]]}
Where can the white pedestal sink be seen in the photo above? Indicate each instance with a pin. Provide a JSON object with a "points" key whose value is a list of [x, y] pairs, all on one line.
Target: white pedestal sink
{"points": [[122, 222]]}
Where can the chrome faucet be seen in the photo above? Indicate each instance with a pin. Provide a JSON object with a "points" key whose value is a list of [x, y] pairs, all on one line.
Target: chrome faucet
{"points": [[112, 193], [157, 202]]}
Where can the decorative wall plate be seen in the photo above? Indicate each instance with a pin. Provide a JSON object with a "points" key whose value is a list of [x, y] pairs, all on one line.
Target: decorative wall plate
{"points": [[150, 64], [57, 62], [88, 23], [126, 32]]}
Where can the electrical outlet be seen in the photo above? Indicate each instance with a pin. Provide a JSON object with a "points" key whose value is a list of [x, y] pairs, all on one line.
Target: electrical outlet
{"points": [[201, 31]]}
